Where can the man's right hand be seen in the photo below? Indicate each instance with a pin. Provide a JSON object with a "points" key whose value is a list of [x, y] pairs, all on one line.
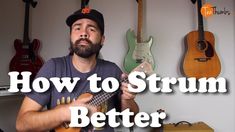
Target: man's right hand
{"points": [[81, 101]]}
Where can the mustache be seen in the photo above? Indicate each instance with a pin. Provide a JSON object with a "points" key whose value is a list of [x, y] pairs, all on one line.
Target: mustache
{"points": [[83, 39]]}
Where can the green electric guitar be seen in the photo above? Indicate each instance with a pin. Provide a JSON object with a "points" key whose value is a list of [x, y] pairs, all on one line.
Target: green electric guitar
{"points": [[139, 51]]}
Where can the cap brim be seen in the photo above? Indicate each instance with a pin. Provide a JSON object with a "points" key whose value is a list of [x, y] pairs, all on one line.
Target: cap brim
{"points": [[71, 19]]}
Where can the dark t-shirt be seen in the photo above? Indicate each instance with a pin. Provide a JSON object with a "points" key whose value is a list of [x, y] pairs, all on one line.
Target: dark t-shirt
{"points": [[63, 67]]}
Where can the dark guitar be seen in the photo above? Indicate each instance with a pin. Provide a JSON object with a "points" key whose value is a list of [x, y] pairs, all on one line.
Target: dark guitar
{"points": [[26, 57], [102, 97], [201, 59]]}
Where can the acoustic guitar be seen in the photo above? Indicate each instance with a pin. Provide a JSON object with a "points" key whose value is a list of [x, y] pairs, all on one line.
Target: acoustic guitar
{"points": [[26, 57], [200, 58], [139, 50], [102, 97]]}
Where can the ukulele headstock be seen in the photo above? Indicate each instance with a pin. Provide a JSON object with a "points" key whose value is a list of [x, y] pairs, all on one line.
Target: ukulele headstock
{"points": [[144, 67]]}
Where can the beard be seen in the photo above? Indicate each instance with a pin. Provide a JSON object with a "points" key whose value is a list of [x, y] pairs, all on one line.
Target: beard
{"points": [[85, 51]]}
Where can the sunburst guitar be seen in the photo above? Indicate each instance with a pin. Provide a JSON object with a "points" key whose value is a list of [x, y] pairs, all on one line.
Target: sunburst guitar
{"points": [[201, 59]]}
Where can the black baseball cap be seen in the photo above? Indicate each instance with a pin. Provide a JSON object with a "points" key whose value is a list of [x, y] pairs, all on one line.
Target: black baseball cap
{"points": [[89, 14]]}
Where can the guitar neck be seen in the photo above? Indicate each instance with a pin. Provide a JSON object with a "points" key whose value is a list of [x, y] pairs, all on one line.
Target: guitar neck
{"points": [[26, 25], [200, 21], [140, 21], [84, 3]]}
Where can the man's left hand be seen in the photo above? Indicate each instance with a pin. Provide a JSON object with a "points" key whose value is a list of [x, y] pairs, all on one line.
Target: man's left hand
{"points": [[126, 94]]}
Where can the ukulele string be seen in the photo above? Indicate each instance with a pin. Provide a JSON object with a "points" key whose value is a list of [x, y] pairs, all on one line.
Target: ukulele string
{"points": [[103, 96]]}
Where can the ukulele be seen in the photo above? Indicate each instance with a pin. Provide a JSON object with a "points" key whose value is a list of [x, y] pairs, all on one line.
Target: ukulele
{"points": [[102, 97], [201, 59], [26, 57], [139, 50]]}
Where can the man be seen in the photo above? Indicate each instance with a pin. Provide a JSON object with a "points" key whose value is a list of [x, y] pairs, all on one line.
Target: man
{"points": [[87, 38]]}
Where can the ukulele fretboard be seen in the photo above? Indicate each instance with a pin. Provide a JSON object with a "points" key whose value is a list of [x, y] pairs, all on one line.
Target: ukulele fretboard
{"points": [[100, 98]]}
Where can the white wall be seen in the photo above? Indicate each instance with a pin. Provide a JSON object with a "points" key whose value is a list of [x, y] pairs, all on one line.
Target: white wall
{"points": [[9, 108], [167, 21]]}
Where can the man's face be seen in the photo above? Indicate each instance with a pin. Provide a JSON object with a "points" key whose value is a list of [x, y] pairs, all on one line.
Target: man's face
{"points": [[86, 38]]}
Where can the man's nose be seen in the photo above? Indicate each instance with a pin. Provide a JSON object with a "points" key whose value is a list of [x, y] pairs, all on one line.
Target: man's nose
{"points": [[84, 34]]}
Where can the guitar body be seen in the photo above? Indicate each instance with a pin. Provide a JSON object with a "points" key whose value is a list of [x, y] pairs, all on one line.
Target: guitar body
{"points": [[201, 59], [137, 52], [22, 61]]}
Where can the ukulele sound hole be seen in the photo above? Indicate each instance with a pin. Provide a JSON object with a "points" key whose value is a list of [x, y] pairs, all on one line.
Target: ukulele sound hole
{"points": [[201, 45]]}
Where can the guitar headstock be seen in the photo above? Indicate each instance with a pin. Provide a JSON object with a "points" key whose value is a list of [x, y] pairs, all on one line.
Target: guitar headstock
{"points": [[32, 2], [84, 3], [144, 67]]}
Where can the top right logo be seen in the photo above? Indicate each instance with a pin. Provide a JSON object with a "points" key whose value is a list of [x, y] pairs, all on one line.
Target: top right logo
{"points": [[208, 10]]}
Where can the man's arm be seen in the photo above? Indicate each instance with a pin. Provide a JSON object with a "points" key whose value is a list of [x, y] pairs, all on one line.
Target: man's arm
{"points": [[128, 99], [131, 104], [32, 118]]}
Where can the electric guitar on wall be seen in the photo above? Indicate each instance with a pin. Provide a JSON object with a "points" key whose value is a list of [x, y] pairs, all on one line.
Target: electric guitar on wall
{"points": [[101, 98], [84, 3], [26, 57], [139, 51], [201, 59]]}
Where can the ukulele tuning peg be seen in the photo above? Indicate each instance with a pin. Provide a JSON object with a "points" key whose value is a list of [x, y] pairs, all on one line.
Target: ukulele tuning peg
{"points": [[160, 110]]}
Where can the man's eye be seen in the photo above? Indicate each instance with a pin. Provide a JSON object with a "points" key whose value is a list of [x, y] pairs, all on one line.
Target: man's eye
{"points": [[92, 29], [76, 28]]}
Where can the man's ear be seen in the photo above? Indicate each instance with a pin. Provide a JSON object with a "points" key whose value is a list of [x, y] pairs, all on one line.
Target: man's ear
{"points": [[102, 40]]}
